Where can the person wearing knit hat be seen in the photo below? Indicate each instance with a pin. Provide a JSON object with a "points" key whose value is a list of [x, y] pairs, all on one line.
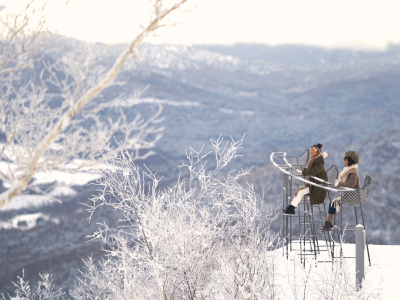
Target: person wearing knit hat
{"points": [[348, 178], [315, 168]]}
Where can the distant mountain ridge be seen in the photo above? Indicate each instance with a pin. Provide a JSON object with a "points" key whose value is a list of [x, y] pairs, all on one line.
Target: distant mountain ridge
{"points": [[301, 55]]}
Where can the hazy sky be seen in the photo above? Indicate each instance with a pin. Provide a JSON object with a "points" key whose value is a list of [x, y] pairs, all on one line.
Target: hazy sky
{"points": [[339, 23]]}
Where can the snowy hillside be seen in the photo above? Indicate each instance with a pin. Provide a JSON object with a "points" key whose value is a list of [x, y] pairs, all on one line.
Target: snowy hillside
{"points": [[283, 98]]}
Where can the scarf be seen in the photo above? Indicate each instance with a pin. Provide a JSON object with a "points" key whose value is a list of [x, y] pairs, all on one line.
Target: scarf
{"points": [[311, 161], [343, 178], [345, 172]]}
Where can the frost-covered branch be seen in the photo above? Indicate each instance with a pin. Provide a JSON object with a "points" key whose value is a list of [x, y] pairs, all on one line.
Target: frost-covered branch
{"points": [[44, 289], [65, 130], [21, 37], [194, 240]]}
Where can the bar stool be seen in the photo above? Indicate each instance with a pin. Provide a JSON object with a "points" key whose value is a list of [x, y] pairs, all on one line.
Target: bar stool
{"points": [[355, 199], [290, 184], [316, 214]]}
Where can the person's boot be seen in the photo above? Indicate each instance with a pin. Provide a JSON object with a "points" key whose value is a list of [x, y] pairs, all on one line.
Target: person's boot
{"points": [[289, 210], [328, 223], [327, 226]]}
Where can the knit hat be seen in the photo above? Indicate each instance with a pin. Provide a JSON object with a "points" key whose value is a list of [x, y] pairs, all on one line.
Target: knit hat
{"points": [[317, 147], [353, 155]]}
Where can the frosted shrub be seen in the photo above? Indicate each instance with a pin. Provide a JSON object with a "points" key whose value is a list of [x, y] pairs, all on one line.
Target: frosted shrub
{"points": [[248, 267], [203, 238], [44, 290], [94, 284]]}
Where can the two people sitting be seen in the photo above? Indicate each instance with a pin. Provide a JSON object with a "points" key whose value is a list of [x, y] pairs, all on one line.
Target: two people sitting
{"points": [[315, 167]]}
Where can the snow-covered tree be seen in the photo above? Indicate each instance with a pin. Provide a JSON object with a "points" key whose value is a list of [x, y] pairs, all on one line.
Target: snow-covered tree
{"points": [[44, 290], [204, 238], [45, 131]]}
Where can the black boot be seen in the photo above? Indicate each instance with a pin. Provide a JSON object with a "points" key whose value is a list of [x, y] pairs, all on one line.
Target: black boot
{"points": [[327, 226], [289, 210]]}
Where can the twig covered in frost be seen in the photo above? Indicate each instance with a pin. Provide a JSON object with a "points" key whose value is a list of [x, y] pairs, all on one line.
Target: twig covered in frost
{"points": [[22, 37], [64, 131], [44, 290], [202, 240]]}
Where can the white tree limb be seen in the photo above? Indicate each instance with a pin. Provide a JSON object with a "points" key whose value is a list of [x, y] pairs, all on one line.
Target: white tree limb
{"points": [[36, 150]]}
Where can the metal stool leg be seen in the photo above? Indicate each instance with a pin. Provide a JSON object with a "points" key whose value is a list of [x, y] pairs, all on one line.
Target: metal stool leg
{"points": [[300, 237], [325, 233], [366, 240], [290, 193], [314, 233], [341, 236], [308, 222], [331, 239]]}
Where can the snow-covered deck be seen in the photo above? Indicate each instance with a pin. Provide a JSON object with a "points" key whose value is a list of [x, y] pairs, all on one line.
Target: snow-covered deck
{"points": [[381, 279]]}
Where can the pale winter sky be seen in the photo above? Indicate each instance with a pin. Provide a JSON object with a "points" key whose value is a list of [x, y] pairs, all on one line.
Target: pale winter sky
{"points": [[339, 23]]}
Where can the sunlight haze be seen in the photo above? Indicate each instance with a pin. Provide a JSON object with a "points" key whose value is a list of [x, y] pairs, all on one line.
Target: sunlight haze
{"points": [[348, 24]]}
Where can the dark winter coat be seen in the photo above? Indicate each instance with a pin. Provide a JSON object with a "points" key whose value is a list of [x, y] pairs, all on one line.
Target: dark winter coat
{"points": [[317, 194]]}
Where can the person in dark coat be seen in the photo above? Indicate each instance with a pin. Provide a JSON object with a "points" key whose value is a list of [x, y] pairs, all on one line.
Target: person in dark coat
{"points": [[315, 168], [348, 178]]}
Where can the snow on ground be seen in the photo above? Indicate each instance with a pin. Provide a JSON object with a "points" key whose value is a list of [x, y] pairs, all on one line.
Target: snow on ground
{"points": [[381, 279], [242, 113], [79, 178], [62, 191], [25, 222], [167, 102], [43, 177], [384, 273], [28, 201]]}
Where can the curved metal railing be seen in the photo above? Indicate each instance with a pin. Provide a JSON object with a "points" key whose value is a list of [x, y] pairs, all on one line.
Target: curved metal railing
{"points": [[299, 176]]}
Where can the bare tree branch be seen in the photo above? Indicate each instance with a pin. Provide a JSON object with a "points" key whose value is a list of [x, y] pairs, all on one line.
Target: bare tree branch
{"points": [[49, 138]]}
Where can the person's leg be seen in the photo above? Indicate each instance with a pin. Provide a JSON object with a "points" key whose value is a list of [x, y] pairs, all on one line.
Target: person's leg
{"points": [[299, 196], [331, 212], [290, 209], [329, 219]]}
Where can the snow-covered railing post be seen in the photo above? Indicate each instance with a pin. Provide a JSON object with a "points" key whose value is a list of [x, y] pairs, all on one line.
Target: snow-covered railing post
{"points": [[360, 247]]}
